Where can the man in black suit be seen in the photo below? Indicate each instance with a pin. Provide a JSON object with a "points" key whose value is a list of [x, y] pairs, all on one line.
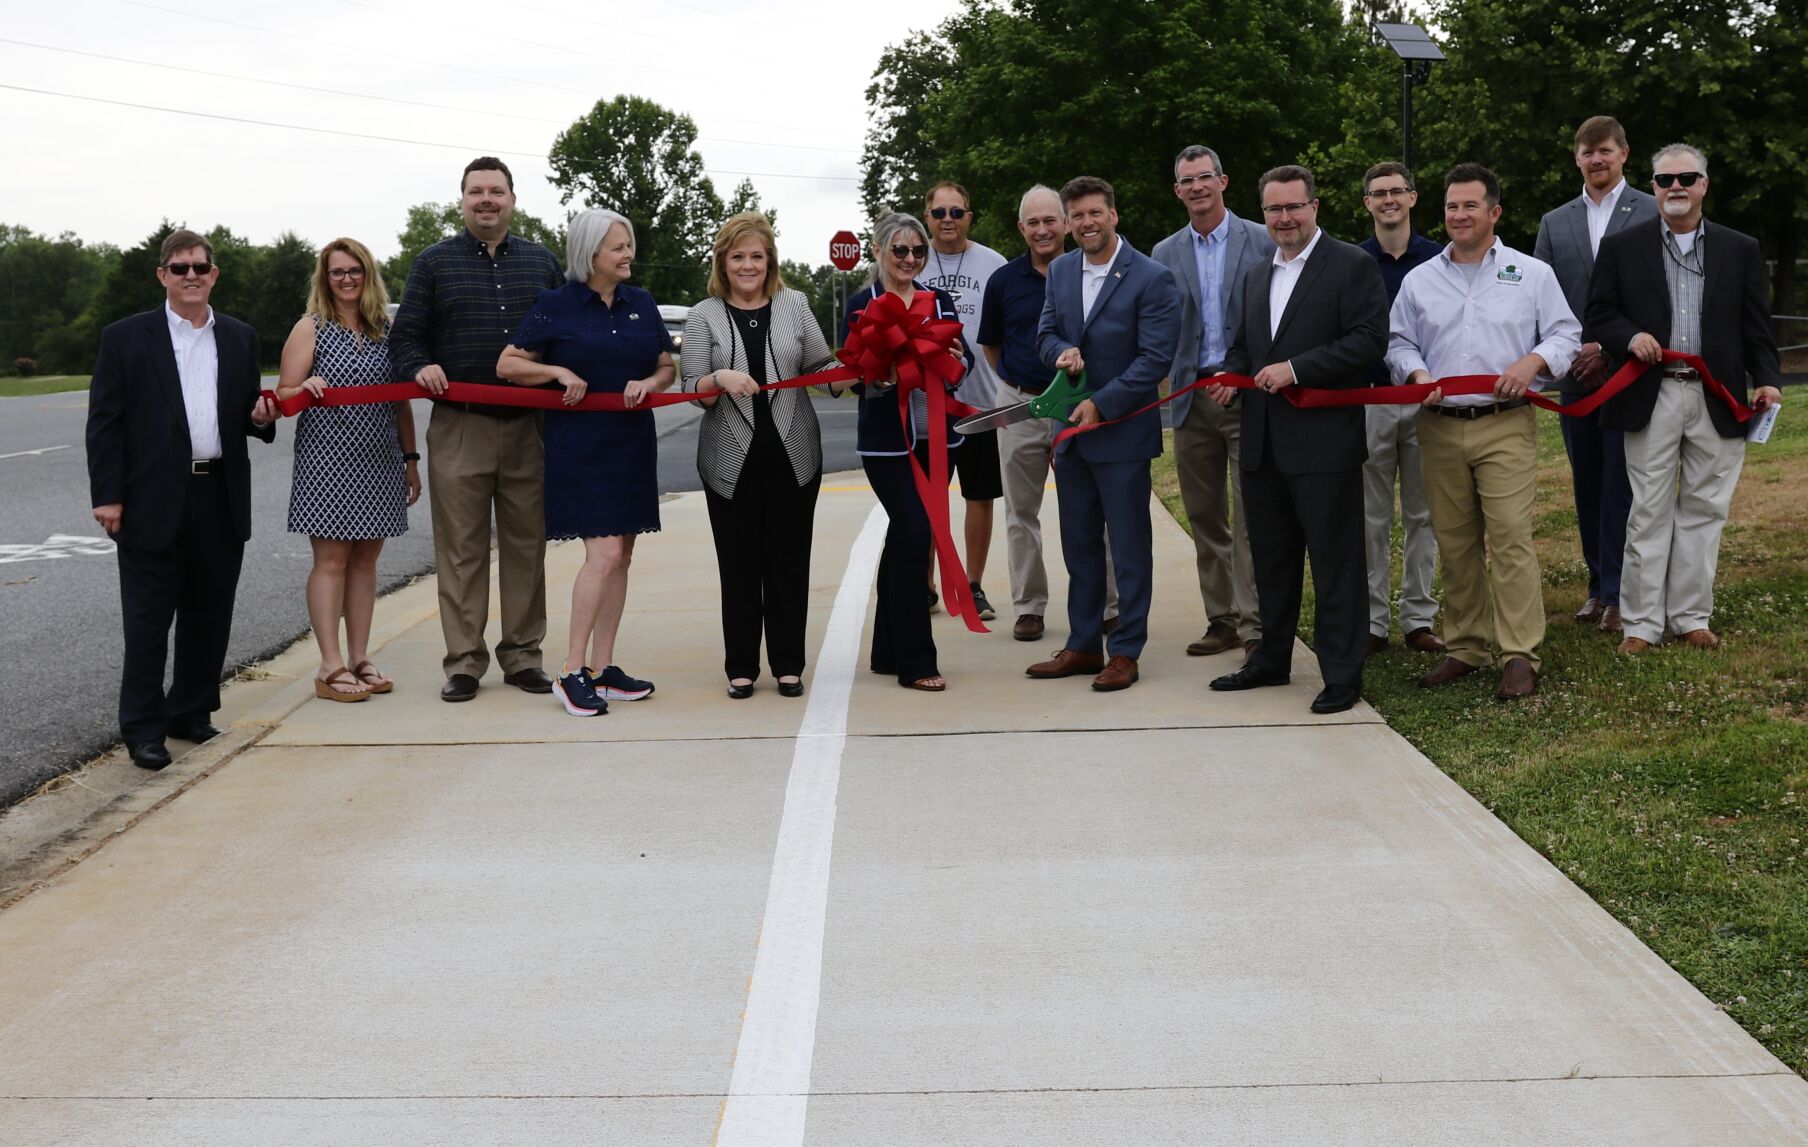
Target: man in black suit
{"points": [[174, 395], [1677, 283], [1314, 315]]}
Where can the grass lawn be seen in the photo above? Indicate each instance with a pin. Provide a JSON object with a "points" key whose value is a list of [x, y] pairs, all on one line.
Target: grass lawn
{"points": [[42, 384], [1673, 787]]}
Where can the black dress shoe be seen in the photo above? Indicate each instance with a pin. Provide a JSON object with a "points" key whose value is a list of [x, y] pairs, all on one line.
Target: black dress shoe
{"points": [[195, 732], [791, 688], [1334, 699], [740, 692], [533, 679], [1249, 677], [149, 755], [458, 687]]}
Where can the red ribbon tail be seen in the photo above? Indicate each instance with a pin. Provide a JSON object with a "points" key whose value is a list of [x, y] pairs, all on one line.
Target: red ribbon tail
{"points": [[932, 490]]}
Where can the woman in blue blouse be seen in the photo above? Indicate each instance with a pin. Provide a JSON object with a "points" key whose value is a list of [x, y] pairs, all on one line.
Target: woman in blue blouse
{"points": [[599, 333], [902, 642]]}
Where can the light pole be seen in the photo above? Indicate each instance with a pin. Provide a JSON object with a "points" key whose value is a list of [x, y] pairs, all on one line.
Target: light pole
{"points": [[1417, 53]]}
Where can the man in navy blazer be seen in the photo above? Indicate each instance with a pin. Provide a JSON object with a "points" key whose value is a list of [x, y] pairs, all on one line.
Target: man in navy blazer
{"points": [[175, 393], [1114, 314]]}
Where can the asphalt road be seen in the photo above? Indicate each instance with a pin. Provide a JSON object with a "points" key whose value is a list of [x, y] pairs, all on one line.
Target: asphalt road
{"points": [[59, 583]]}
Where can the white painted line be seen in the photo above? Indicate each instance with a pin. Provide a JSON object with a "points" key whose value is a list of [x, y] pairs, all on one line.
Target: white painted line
{"points": [[769, 1092], [24, 453]]}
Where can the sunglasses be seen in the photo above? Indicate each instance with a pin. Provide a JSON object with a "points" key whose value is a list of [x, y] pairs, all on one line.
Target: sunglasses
{"points": [[948, 213], [181, 270], [1669, 179], [900, 251]]}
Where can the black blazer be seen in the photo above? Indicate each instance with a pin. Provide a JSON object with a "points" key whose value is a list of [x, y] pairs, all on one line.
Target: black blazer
{"points": [[138, 448], [1334, 331], [1630, 294]]}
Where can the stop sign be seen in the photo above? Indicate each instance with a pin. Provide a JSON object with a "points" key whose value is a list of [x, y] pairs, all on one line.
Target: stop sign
{"points": [[844, 250]]}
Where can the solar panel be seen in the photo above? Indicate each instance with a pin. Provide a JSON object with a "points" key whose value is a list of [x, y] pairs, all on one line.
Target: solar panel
{"points": [[1409, 41]]}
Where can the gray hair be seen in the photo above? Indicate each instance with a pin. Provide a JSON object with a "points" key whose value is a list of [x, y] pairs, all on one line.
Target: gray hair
{"points": [[889, 227], [1194, 151], [1690, 150], [1023, 205], [584, 234]]}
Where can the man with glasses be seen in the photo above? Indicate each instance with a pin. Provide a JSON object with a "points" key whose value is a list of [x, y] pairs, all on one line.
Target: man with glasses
{"points": [[1676, 283], [1568, 239], [960, 269], [1393, 436], [175, 393], [1481, 307], [1208, 259]]}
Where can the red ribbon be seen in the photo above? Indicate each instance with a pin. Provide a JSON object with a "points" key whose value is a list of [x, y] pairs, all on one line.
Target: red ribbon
{"points": [[1308, 398]]}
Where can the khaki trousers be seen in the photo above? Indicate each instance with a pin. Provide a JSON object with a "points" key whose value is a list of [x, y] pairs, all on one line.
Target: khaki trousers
{"points": [[1673, 532], [476, 462], [1393, 434], [1481, 478], [1023, 458], [1205, 447]]}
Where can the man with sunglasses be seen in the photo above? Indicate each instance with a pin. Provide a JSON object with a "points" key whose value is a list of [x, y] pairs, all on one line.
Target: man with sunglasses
{"points": [[1676, 283], [1208, 259], [960, 268], [1568, 239], [175, 393]]}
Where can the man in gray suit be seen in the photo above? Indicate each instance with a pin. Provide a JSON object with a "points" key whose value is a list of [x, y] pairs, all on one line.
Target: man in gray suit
{"points": [[1208, 258], [1568, 239]]}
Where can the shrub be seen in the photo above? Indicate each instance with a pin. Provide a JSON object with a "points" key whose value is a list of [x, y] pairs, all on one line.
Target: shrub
{"points": [[25, 367]]}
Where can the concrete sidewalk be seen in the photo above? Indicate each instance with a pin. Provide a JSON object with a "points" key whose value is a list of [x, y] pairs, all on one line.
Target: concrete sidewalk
{"points": [[1015, 913]]}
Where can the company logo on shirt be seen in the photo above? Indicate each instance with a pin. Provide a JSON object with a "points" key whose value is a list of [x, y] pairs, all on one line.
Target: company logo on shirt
{"points": [[1509, 274]]}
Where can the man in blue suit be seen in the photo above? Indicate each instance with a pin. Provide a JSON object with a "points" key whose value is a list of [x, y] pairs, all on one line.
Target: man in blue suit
{"points": [[1115, 314]]}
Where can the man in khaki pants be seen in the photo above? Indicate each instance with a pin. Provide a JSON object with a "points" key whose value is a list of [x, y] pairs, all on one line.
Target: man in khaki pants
{"points": [[1481, 307], [464, 298]]}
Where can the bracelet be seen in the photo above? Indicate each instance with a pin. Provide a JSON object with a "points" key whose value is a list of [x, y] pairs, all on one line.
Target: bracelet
{"points": [[410, 456]]}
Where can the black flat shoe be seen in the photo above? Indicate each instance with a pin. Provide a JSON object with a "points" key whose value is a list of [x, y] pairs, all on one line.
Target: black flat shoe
{"points": [[1249, 677], [195, 732], [149, 755], [533, 679], [458, 687], [741, 692], [791, 688], [1334, 699]]}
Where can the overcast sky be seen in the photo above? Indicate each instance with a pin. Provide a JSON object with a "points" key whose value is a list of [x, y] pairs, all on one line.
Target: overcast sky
{"points": [[775, 87]]}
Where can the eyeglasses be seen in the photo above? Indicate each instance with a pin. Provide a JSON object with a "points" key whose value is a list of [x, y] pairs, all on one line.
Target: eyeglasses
{"points": [[340, 274], [947, 212], [1388, 193], [1189, 180], [900, 251], [1668, 179], [181, 270], [1276, 210]]}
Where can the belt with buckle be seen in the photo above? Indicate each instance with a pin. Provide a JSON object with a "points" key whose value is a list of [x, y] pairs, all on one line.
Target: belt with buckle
{"points": [[1481, 411], [1682, 373], [198, 466], [503, 412]]}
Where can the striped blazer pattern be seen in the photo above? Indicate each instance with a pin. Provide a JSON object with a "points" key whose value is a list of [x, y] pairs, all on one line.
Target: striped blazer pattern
{"points": [[794, 346]]}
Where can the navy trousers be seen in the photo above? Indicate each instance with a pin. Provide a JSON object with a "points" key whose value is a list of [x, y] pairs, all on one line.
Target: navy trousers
{"points": [[1100, 500], [1597, 460]]}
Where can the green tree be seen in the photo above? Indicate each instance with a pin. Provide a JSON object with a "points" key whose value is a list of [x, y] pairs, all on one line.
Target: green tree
{"points": [[280, 277], [631, 155], [745, 198], [131, 282], [46, 285]]}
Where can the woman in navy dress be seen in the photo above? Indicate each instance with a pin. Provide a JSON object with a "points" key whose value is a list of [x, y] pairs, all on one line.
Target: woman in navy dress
{"points": [[597, 332], [902, 642]]}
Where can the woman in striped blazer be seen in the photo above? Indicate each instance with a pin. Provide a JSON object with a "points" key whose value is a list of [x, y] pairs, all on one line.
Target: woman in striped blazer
{"points": [[759, 453]]}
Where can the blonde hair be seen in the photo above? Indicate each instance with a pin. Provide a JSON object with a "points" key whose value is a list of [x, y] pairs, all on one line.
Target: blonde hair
{"points": [[373, 304], [738, 228]]}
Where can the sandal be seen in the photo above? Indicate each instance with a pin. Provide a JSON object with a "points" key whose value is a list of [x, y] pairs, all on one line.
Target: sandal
{"points": [[928, 684], [323, 687], [371, 676]]}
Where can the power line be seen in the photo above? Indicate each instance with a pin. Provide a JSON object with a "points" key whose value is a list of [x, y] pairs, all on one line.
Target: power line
{"points": [[540, 44], [593, 23]]}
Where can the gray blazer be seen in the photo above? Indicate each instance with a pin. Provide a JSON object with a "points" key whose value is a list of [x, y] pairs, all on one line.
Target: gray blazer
{"points": [[1246, 245], [794, 346], [1563, 243]]}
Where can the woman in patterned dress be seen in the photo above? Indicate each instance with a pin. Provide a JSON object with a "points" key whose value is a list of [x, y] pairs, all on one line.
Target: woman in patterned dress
{"points": [[356, 472], [597, 332]]}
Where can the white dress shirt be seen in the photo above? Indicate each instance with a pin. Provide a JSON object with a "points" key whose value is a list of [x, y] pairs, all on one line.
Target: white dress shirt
{"points": [[1600, 214], [1444, 324], [1092, 278], [1286, 276], [198, 365]]}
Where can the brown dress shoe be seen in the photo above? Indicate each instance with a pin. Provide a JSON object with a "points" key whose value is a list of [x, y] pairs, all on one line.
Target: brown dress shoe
{"points": [[1702, 639], [1423, 640], [1067, 663], [1218, 637], [1517, 680], [1634, 645], [1447, 670], [1610, 619], [1028, 627], [1590, 612], [1120, 673], [1376, 644]]}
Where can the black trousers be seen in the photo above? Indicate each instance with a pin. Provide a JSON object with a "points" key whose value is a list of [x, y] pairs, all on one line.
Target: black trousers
{"points": [[192, 584], [1291, 517], [902, 642], [763, 554]]}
